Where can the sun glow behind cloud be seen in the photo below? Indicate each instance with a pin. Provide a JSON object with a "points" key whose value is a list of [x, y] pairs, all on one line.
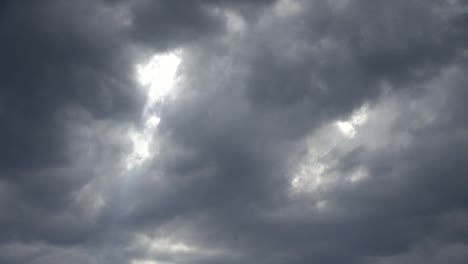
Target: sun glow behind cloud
{"points": [[158, 77], [348, 127], [311, 172], [169, 249]]}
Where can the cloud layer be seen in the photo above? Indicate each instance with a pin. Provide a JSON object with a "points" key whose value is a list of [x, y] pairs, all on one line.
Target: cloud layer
{"points": [[293, 132]]}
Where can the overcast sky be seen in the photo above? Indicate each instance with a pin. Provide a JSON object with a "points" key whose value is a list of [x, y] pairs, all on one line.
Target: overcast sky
{"points": [[233, 131]]}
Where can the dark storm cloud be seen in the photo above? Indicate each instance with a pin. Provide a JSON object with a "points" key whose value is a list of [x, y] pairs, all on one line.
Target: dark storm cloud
{"points": [[166, 24], [240, 129], [59, 59], [411, 192], [66, 75], [218, 190], [53, 60], [414, 188]]}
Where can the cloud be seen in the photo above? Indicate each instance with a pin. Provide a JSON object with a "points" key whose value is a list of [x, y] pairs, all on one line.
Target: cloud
{"points": [[246, 162]]}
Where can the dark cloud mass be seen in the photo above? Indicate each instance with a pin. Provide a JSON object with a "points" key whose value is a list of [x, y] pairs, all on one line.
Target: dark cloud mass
{"points": [[293, 131]]}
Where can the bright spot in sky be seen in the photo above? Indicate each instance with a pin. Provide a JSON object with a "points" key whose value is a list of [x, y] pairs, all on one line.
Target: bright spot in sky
{"points": [[164, 244], [346, 128], [168, 246], [159, 77], [141, 147], [159, 248], [153, 122], [312, 172], [308, 176], [359, 117]]}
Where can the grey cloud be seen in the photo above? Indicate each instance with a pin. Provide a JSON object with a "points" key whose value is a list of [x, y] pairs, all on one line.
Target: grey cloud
{"points": [[166, 24], [51, 63], [219, 189], [57, 59], [66, 68], [245, 127]]}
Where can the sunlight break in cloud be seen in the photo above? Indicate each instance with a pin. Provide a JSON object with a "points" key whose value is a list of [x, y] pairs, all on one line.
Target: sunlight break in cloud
{"points": [[158, 77], [311, 172], [358, 118]]}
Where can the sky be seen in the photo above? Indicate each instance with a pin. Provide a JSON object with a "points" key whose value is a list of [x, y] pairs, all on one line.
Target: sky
{"points": [[233, 131]]}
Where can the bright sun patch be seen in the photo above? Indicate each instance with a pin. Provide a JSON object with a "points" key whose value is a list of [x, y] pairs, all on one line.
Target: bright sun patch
{"points": [[158, 249], [158, 77], [311, 172], [359, 117]]}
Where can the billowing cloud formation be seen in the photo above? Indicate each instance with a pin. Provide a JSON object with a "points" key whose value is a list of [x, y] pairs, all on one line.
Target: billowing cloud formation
{"points": [[288, 131]]}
